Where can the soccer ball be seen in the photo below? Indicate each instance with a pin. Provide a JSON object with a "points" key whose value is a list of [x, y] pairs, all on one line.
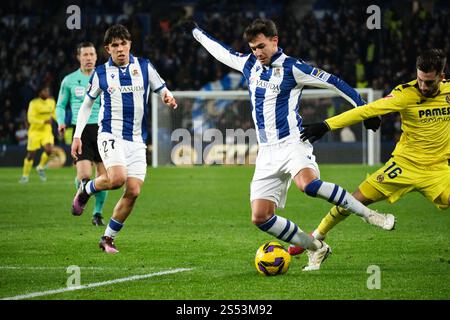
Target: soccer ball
{"points": [[272, 259]]}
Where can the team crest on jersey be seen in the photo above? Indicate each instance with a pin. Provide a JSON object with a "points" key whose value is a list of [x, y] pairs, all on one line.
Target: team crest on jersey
{"points": [[447, 98], [135, 72], [277, 72], [380, 178]]}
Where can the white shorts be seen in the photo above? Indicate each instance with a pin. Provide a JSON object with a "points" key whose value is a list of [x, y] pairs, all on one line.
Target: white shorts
{"points": [[115, 151], [276, 165]]}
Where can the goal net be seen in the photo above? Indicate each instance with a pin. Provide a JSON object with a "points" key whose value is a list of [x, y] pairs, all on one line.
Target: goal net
{"points": [[216, 127]]}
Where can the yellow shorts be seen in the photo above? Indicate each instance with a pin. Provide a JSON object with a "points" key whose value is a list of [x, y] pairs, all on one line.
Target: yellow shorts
{"points": [[398, 177], [38, 139]]}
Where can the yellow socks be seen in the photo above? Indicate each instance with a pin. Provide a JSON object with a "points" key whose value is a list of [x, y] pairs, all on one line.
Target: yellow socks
{"points": [[27, 165], [334, 216], [44, 160]]}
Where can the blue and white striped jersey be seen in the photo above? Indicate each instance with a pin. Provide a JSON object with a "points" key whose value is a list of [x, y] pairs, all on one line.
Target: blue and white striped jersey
{"points": [[275, 90], [124, 97]]}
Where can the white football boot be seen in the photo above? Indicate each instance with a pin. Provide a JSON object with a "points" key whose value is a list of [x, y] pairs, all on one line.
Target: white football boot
{"points": [[24, 180], [316, 258], [41, 173], [384, 221]]}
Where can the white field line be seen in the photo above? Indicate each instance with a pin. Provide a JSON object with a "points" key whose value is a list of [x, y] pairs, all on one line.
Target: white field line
{"points": [[46, 268], [96, 284]]}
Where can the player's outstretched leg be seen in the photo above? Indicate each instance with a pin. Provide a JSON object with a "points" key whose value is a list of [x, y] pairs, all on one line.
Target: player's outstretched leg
{"points": [[86, 189], [341, 198]]}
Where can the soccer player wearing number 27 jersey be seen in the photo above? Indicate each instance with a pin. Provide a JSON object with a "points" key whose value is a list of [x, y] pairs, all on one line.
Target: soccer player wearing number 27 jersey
{"points": [[275, 83], [124, 83], [420, 159]]}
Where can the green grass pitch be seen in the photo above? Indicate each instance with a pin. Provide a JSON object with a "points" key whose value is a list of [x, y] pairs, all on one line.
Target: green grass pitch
{"points": [[199, 218]]}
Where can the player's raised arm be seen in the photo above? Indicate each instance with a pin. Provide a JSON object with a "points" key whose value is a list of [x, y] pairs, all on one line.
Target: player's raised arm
{"points": [[310, 76], [391, 103], [218, 50]]}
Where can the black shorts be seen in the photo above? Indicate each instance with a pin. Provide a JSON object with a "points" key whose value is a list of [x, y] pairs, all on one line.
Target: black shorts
{"points": [[89, 144]]}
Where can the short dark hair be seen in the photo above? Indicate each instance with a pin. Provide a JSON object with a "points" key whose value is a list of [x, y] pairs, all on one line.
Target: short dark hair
{"points": [[85, 44], [116, 31], [42, 86], [265, 26], [432, 60]]}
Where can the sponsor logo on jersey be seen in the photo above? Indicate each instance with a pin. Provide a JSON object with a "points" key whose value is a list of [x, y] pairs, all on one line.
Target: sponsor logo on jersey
{"points": [[443, 111], [265, 85], [320, 74], [125, 89]]}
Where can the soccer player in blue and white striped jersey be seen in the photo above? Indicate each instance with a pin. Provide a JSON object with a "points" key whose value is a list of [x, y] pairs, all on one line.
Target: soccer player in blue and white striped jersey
{"points": [[275, 83], [123, 83]]}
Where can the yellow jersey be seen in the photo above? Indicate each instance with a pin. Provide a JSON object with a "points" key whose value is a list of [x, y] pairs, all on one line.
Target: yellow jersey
{"points": [[425, 139], [39, 111]]}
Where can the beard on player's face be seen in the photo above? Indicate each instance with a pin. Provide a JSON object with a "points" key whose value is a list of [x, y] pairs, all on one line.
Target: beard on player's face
{"points": [[428, 82], [430, 90]]}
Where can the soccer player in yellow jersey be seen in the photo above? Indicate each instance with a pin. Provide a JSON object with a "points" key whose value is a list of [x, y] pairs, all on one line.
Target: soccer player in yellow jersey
{"points": [[420, 159], [41, 110]]}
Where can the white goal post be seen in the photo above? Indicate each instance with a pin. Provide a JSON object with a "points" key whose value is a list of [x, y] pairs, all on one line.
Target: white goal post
{"points": [[370, 141]]}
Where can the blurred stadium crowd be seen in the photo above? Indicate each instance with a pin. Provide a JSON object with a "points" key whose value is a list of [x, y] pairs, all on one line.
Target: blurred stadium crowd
{"points": [[36, 46]]}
